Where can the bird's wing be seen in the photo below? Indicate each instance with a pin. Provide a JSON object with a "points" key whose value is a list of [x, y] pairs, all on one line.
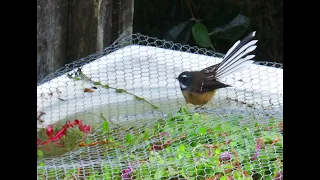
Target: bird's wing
{"points": [[201, 83]]}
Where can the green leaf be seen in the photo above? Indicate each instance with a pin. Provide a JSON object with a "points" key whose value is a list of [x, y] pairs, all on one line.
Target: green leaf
{"points": [[181, 148], [223, 178], [107, 173], [183, 111], [71, 172], [158, 127], [219, 169], [234, 29], [42, 164], [237, 174], [218, 128], [171, 161], [106, 86], [188, 155], [139, 98], [132, 156], [102, 117], [159, 174], [214, 159], [248, 167], [180, 33], [181, 151], [105, 126], [120, 91], [152, 159], [217, 151], [228, 166], [209, 172], [110, 139], [155, 107], [146, 134], [201, 35], [129, 138], [271, 122], [169, 150], [202, 131], [40, 153], [196, 116], [143, 173], [160, 161], [180, 155], [233, 144], [172, 171], [193, 143], [96, 83], [188, 170]]}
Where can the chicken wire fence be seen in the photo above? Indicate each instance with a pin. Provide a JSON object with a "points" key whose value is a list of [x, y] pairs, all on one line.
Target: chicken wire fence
{"points": [[120, 114]]}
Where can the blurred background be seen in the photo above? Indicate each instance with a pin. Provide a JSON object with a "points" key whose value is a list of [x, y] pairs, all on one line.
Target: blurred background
{"points": [[72, 29]]}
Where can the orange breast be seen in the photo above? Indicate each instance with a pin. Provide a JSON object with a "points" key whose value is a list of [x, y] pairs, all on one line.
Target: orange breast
{"points": [[198, 99]]}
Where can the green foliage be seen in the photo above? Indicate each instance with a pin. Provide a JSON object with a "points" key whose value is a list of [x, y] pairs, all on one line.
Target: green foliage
{"points": [[105, 126], [173, 20], [234, 29], [201, 35], [79, 75], [39, 152], [201, 22], [195, 146]]}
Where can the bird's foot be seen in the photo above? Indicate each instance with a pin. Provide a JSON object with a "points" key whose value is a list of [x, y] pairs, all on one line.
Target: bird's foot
{"points": [[200, 108]]}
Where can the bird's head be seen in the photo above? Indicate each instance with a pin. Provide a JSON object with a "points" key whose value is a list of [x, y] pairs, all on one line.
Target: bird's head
{"points": [[185, 79]]}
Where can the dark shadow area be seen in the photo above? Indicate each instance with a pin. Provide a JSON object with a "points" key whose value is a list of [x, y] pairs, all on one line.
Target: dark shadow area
{"points": [[222, 22]]}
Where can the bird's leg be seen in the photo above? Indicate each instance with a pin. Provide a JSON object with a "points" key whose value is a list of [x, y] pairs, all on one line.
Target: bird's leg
{"points": [[187, 107], [199, 107]]}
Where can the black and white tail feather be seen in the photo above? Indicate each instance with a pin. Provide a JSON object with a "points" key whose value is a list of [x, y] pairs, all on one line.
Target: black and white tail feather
{"points": [[234, 59]]}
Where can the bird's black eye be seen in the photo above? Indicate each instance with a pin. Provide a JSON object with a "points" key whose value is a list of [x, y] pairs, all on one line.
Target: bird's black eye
{"points": [[184, 79]]}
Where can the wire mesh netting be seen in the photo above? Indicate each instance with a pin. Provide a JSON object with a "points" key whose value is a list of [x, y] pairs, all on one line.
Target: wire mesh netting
{"points": [[120, 114]]}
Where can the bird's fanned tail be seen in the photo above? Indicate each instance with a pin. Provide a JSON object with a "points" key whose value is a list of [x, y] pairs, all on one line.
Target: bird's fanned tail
{"points": [[234, 59]]}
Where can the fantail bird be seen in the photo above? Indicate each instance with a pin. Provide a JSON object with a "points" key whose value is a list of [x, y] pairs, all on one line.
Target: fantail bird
{"points": [[199, 87]]}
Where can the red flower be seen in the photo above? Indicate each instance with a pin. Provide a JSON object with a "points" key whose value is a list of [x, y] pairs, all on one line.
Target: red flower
{"points": [[77, 121], [38, 142], [62, 132], [49, 131], [86, 128]]}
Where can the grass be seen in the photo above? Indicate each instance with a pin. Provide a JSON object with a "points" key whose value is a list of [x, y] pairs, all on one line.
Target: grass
{"points": [[186, 146]]}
